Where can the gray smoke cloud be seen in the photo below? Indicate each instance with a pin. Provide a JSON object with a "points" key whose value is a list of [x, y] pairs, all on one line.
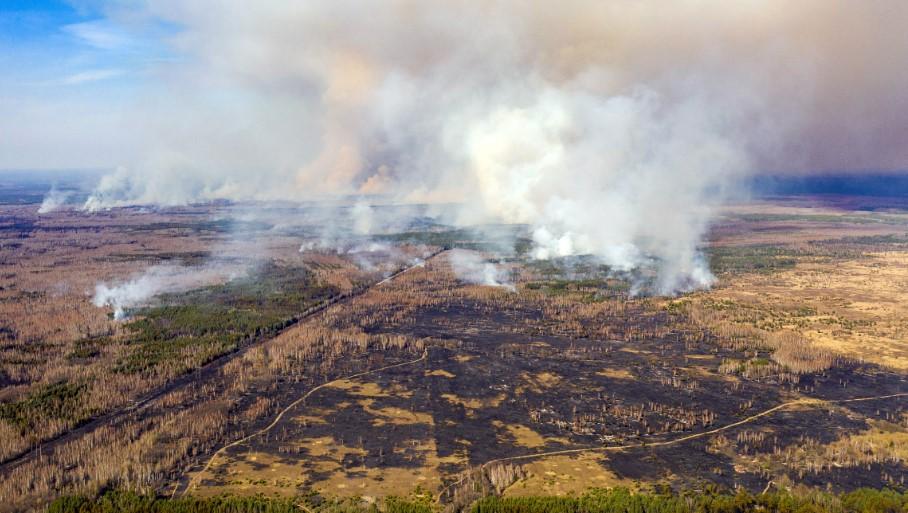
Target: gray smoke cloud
{"points": [[611, 128], [53, 200], [473, 268]]}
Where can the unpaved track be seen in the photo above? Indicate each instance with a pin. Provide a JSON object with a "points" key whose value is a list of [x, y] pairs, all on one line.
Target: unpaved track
{"points": [[194, 481], [806, 401], [211, 369]]}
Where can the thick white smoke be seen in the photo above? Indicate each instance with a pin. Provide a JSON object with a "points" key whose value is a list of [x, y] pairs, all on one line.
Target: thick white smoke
{"points": [[158, 280], [473, 268], [612, 128], [362, 218], [54, 199], [626, 178]]}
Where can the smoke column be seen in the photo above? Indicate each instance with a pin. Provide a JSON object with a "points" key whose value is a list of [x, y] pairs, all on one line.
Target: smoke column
{"points": [[472, 268], [53, 200], [612, 128], [156, 280]]}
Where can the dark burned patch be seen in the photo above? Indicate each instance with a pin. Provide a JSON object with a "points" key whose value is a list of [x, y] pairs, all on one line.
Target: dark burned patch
{"points": [[282, 443], [18, 227], [849, 380], [450, 323], [871, 475], [676, 464], [553, 385], [792, 427], [353, 426], [586, 402], [6, 380], [465, 407], [483, 376], [348, 425], [255, 464], [7, 333]]}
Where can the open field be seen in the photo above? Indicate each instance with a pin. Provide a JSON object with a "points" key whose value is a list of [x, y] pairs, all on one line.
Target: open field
{"points": [[284, 373], [508, 374], [321, 256]]}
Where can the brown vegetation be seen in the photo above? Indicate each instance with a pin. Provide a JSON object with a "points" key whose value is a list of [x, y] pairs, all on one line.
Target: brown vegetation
{"points": [[560, 363]]}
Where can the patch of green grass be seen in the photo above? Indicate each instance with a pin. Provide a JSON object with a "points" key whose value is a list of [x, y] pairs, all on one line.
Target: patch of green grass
{"points": [[193, 328], [589, 290], [58, 401], [583, 267], [818, 218], [495, 239], [867, 240], [750, 259], [461, 238], [87, 348], [182, 257], [201, 226]]}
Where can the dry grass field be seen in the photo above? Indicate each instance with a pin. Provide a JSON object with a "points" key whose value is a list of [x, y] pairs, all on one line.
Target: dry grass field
{"points": [[310, 372]]}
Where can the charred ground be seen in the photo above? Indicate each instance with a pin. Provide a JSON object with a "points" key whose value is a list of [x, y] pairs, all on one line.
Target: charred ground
{"points": [[567, 382]]}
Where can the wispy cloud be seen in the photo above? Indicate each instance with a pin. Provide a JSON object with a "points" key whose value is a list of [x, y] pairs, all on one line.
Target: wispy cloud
{"points": [[92, 75], [101, 34]]}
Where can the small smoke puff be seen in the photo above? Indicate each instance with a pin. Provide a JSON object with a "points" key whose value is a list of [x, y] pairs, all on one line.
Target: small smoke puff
{"points": [[362, 218], [128, 294], [159, 280], [469, 266], [53, 200], [345, 247], [371, 247], [316, 245]]}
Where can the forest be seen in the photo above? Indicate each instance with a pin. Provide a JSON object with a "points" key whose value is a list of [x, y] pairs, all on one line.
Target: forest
{"points": [[376, 365], [614, 500]]}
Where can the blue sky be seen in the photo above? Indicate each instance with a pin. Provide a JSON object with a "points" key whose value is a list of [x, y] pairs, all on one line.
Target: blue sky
{"points": [[83, 82], [68, 74], [47, 43]]}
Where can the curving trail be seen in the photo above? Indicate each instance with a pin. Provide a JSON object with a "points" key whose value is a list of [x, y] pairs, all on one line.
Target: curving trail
{"points": [[663, 443], [202, 373], [193, 483]]}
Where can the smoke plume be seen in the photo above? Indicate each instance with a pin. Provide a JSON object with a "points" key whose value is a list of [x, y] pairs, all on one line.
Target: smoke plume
{"points": [[54, 199], [158, 280], [473, 268], [611, 128]]}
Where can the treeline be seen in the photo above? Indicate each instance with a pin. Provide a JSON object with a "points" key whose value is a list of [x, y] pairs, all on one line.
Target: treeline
{"points": [[616, 500], [621, 500], [129, 502]]}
